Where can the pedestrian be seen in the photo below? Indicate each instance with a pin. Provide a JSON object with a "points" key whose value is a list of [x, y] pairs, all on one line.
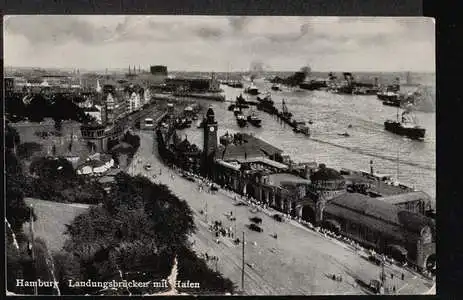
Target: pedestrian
{"points": [[392, 276], [403, 276], [393, 288]]}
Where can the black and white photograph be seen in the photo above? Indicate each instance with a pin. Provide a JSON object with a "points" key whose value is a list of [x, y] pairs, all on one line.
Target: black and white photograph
{"points": [[219, 155]]}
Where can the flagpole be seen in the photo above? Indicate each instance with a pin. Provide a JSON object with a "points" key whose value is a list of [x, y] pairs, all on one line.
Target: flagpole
{"points": [[31, 220]]}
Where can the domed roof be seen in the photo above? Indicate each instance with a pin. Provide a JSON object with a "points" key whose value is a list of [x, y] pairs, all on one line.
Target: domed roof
{"points": [[326, 174], [210, 112]]}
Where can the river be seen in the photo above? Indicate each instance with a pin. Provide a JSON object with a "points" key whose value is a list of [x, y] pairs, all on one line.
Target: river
{"points": [[412, 162]]}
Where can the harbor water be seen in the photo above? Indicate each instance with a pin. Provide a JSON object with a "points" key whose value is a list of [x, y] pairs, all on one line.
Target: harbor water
{"points": [[411, 162]]}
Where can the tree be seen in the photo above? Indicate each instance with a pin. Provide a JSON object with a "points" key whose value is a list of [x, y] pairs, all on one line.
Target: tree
{"points": [[140, 227], [12, 138], [17, 212], [38, 109], [53, 169], [26, 150]]}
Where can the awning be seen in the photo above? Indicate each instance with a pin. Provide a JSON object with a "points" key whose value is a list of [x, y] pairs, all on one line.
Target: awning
{"points": [[398, 250]]}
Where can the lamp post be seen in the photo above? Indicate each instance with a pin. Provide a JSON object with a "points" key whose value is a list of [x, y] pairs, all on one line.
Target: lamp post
{"points": [[31, 220]]}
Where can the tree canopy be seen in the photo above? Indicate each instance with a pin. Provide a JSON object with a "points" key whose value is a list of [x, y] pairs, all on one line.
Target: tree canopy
{"points": [[140, 228]]}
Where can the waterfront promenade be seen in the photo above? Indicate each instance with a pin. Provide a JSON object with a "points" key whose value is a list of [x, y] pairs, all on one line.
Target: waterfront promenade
{"points": [[299, 262]]}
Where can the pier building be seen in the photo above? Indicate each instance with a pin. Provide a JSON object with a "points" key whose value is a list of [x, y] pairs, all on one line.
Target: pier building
{"points": [[393, 224]]}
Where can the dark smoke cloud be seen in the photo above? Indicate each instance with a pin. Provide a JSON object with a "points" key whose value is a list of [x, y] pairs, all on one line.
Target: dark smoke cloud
{"points": [[306, 70], [238, 24], [209, 33]]}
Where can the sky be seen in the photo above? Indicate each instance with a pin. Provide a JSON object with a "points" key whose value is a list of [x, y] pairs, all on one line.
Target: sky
{"points": [[221, 43]]}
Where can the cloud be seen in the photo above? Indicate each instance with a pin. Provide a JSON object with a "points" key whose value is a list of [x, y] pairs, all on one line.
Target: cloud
{"points": [[214, 42]]}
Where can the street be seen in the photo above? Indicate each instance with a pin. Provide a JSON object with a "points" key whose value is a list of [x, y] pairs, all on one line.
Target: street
{"points": [[299, 262]]}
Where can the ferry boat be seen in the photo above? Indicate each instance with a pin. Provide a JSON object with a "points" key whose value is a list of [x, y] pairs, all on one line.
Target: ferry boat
{"points": [[406, 126], [252, 90], [254, 120]]}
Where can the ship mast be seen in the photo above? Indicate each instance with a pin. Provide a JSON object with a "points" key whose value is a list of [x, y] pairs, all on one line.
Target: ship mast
{"points": [[398, 162]]}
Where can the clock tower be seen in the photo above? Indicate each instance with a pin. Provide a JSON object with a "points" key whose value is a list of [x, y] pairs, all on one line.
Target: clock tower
{"points": [[210, 144]]}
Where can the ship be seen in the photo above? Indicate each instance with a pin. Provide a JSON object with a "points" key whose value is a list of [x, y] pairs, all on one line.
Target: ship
{"points": [[266, 104], [276, 87], [241, 119], [266, 99], [388, 95], [315, 84], [252, 90], [406, 126], [235, 84], [254, 120], [301, 127], [241, 102]]}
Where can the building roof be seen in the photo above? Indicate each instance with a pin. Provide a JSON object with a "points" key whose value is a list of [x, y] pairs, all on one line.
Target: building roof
{"points": [[377, 214], [230, 165], [281, 179], [263, 160], [406, 197], [250, 147]]}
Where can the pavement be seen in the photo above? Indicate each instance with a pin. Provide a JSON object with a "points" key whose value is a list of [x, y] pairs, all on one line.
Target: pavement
{"points": [[299, 262]]}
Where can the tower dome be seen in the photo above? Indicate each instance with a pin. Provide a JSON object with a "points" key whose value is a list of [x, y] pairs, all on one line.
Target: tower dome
{"points": [[326, 174], [210, 115]]}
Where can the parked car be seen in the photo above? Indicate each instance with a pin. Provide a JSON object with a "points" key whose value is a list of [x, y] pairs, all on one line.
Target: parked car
{"points": [[256, 220], [256, 228], [278, 217]]}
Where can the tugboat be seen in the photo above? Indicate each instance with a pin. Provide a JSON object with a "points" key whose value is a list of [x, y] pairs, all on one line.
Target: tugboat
{"points": [[252, 89], [241, 119], [241, 102], [406, 127], [301, 127], [389, 98], [254, 120]]}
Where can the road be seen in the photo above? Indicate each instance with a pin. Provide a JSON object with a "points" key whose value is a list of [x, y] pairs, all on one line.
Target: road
{"points": [[299, 262]]}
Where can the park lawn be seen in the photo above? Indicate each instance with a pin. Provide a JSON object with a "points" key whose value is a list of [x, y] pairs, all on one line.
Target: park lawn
{"points": [[51, 220]]}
